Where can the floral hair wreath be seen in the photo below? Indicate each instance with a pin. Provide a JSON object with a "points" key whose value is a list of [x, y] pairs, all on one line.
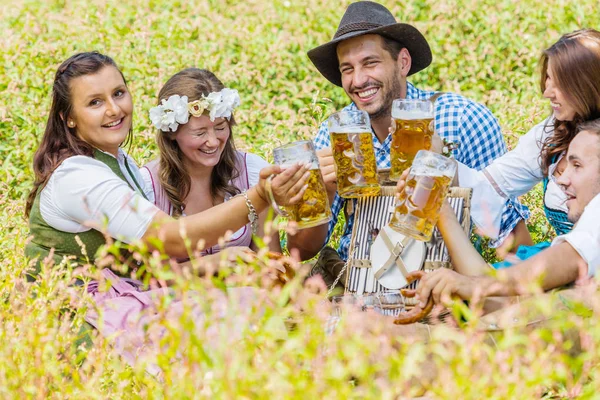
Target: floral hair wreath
{"points": [[176, 110]]}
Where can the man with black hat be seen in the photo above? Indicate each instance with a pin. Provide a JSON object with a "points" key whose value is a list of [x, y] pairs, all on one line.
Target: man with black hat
{"points": [[370, 56]]}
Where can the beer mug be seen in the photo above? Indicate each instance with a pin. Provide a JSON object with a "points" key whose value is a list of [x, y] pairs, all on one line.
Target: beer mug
{"points": [[353, 154], [412, 128], [314, 208], [418, 207]]}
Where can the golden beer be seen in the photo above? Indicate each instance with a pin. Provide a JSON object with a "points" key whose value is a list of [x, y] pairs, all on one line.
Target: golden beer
{"points": [[355, 165], [418, 207], [313, 209], [412, 131]]}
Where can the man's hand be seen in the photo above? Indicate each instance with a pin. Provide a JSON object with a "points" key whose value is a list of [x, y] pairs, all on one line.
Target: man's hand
{"points": [[326, 163], [443, 284]]}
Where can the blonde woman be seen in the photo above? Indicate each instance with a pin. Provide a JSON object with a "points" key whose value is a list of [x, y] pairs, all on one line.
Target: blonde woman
{"points": [[199, 167]]}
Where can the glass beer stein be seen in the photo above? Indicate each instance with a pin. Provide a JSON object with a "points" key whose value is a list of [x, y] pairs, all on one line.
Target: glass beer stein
{"points": [[314, 208], [412, 128], [353, 154], [418, 207]]}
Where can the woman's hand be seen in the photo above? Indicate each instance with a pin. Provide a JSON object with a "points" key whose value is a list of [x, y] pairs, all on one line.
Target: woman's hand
{"points": [[327, 165], [287, 184]]}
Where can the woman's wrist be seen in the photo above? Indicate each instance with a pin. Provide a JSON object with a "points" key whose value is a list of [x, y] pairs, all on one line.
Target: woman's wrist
{"points": [[261, 190], [258, 198], [446, 213]]}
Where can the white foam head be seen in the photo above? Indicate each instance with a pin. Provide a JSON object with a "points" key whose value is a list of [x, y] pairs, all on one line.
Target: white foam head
{"points": [[430, 164], [351, 129], [410, 115]]}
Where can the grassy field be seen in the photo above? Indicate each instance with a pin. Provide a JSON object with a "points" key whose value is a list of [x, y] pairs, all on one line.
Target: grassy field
{"points": [[487, 50]]}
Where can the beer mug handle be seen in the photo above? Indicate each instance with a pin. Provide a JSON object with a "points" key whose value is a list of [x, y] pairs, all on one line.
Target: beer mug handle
{"points": [[448, 147], [274, 205]]}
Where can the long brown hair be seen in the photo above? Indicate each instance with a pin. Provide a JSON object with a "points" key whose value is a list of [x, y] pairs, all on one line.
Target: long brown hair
{"points": [[193, 83], [60, 141], [576, 69]]}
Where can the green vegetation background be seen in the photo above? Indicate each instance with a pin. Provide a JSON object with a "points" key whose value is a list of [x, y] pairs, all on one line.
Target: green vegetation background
{"points": [[487, 50]]}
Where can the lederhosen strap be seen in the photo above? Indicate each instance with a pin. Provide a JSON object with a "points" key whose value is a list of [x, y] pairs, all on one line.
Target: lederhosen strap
{"points": [[395, 256]]}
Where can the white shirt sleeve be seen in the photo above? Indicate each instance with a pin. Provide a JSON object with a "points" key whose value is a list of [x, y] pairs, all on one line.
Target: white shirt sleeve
{"points": [[509, 176], [585, 236], [254, 164], [517, 171], [83, 193]]}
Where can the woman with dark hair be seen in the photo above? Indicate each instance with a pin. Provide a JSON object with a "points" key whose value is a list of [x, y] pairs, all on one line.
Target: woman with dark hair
{"points": [[199, 166], [87, 189], [570, 79]]}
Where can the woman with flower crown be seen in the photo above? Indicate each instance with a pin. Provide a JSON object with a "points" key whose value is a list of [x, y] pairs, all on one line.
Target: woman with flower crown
{"points": [[199, 166], [88, 190]]}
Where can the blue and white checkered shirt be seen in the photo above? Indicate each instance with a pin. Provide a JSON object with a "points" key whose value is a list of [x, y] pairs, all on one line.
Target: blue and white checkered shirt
{"points": [[457, 119]]}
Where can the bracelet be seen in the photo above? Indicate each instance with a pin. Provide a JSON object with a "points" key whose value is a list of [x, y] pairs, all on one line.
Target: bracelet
{"points": [[274, 205], [252, 215]]}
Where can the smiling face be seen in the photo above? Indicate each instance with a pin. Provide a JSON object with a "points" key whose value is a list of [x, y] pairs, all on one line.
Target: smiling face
{"points": [[202, 141], [101, 109], [581, 178], [562, 107], [370, 76]]}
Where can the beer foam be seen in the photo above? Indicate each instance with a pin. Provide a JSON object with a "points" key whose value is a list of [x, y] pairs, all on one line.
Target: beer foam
{"points": [[288, 164], [352, 129], [411, 115], [433, 170], [424, 170]]}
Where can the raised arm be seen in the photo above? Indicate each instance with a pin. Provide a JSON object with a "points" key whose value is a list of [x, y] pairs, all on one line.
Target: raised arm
{"points": [[570, 257], [554, 267], [210, 225], [465, 259]]}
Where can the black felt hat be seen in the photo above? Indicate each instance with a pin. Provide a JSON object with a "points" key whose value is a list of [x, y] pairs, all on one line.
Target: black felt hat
{"points": [[367, 17]]}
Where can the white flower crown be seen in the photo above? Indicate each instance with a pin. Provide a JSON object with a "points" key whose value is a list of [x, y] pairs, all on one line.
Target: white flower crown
{"points": [[176, 110]]}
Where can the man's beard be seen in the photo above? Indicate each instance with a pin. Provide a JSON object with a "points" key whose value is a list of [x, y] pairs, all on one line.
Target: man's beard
{"points": [[385, 111]]}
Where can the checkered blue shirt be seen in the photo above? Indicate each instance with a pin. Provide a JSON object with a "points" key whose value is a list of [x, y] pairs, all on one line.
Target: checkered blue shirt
{"points": [[457, 119]]}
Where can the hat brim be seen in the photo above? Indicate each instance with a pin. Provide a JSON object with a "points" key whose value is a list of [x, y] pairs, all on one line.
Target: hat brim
{"points": [[325, 58]]}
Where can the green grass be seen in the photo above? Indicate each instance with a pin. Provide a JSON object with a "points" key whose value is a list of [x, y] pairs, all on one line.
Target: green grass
{"points": [[487, 50]]}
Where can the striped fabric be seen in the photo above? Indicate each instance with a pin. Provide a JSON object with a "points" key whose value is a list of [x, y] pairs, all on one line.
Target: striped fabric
{"points": [[372, 214]]}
